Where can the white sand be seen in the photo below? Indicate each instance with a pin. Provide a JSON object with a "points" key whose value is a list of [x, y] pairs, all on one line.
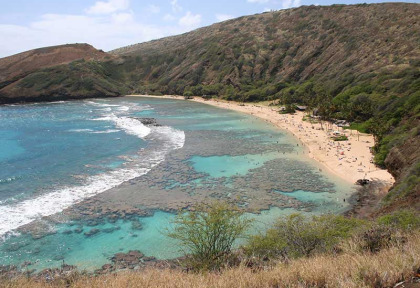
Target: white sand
{"points": [[351, 160]]}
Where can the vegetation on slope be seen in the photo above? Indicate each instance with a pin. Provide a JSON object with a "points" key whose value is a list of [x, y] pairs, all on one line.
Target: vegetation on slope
{"points": [[326, 251], [76, 80], [351, 269], [56, 73]]}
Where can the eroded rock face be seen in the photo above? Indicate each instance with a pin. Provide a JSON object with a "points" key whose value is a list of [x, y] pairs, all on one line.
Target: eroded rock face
{"points": [[401, 157], [134, 260], [403, 162]]}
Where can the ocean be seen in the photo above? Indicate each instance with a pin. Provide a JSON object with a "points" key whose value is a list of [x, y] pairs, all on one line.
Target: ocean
{"points": [[83, 180]]}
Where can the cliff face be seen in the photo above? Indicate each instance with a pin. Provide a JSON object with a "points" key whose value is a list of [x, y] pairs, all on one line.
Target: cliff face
{"points": [[55, 73], [403, 161], [404, 155]]}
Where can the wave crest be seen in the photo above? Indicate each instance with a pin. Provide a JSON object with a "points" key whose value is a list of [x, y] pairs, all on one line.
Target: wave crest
{"points": [[16, 215]]}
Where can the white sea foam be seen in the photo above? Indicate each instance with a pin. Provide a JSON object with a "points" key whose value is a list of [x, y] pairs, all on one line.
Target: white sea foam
{"points": [[106, 109], [80, 130], [102, 104], [123, 108], [16, 215], [106, 131], [131, 126], [6, 180]]}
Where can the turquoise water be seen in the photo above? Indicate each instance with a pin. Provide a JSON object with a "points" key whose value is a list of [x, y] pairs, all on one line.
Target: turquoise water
{"points": [[55, 156], [226, 166]]}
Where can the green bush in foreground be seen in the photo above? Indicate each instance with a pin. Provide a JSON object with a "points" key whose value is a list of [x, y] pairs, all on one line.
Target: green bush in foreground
{"points": [[405, 220], [207, 233], [298, 236]]}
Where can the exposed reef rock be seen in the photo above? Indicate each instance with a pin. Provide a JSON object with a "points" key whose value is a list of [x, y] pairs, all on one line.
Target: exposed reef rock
{"points": [[147, 121], [135, 260]]}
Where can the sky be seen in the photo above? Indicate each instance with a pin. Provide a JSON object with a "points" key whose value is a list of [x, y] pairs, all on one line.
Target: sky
{"points": [[110, 24]]}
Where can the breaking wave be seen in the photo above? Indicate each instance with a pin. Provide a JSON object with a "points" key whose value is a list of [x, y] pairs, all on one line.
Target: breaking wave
{"points": [[167, 138]]}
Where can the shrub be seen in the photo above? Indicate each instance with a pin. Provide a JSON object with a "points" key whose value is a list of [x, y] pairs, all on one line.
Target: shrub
{"points": [[297, 236], [188, 95], [340, 138], [405, 220], [379, 237], [207, 233]]}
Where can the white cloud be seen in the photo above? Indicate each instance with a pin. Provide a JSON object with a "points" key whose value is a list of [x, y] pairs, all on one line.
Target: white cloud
{"points": [[169, 17], [105, 32], [190, 20], [154, 9], [108, 7], [290, 3], [176, 8], [121, 18], [258, 1], [285, 4], [106, 25], [223, 17]]}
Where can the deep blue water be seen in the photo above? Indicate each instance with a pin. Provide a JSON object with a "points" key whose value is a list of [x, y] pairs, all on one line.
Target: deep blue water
{"points": [[53, 156], [45, 146]]}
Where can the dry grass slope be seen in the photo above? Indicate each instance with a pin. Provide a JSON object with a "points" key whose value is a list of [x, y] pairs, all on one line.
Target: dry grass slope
{"points": [[350, 269]]}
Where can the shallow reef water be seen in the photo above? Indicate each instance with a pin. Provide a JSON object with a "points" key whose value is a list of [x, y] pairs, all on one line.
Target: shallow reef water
{"points": [[140, 175]]}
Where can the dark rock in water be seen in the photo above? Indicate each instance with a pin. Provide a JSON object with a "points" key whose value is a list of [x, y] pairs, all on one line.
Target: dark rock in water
{"points": [[127, 260], [107, 268], [36, 251], [67, 268], [26, 264], [112, 219], [92, 223], [58, 257], [15, 246], [136, 225], [41, 234], [362, 182], [147, 259], [110, 230], [78, 230], [147, 121], [92, 232], [67, 232]]}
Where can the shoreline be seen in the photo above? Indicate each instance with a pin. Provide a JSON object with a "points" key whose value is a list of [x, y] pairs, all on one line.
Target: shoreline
{"points": [[349, 160]]}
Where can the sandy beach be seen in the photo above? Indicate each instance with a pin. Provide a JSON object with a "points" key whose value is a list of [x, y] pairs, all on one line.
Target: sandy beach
{"points": [[351, 160]]}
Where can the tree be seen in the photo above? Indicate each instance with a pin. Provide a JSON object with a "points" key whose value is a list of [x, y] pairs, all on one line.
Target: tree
{"points": [[188, 95], [207, 233]]}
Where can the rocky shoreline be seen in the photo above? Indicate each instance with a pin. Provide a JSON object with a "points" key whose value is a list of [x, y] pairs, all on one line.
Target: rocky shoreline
{"points": [[133, 260]]}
